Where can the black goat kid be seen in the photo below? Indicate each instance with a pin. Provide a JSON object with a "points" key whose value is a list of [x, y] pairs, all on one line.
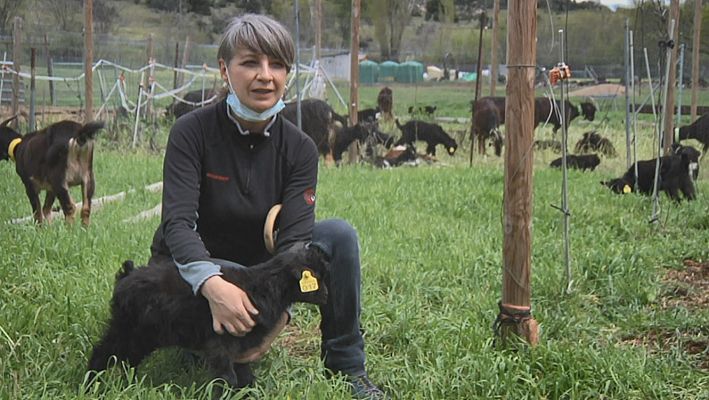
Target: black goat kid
{"points": [[432, 134], [153, 307]]}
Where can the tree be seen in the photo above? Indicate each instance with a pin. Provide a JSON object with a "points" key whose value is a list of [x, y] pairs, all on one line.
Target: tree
{"points": [[390, 17], [9, 10], [65, 14]]}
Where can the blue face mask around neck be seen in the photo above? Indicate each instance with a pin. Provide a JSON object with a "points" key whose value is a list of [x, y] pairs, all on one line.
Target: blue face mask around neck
{"points": [[245, 113]]}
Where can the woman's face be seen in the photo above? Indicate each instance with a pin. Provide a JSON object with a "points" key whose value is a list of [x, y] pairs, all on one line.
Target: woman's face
{"points": [[258, 81]]}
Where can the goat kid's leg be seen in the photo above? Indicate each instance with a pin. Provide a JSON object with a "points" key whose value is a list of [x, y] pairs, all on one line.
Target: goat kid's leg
{"points": [[116, 342], [222, 368], [35, 202], [67, 204], [48, 203], [244, 375], [87, 192]]}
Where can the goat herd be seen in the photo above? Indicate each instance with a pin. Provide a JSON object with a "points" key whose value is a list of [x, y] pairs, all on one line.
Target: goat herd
{"points": [[61, 155]]}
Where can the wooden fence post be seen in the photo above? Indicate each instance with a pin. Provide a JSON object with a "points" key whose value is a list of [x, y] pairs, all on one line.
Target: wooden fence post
{"points": [[89, 59], [33, 59], [515, 307], [353, 153], [669, 106], [16, 59], [50, 69], [696, 44], [494, 46]]}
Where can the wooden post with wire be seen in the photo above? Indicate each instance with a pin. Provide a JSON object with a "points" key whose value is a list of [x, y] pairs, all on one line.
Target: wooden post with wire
{"points": [[50, 69], [696, 44], [316, 16], [352, 152], [494, 67], [669, 106], [149, 78], [33, 78], [89, 59], [481, 142], [177, 57], [16, 59], [185, 59], [515, 307]]}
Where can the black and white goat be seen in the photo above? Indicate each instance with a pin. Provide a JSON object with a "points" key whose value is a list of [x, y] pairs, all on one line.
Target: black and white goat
{"points": [[153, 307], [54, 159]]}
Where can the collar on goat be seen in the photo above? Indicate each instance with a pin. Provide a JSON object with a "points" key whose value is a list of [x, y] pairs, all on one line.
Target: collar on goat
{"points": [[11, 148]]}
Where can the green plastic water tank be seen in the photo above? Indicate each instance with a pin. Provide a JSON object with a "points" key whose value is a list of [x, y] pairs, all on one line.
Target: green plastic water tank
{"points": [[368, 72], [387, 71], [409, 72]]}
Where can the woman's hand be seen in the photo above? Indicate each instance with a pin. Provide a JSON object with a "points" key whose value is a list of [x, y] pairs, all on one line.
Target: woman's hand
{"points": [[231, 308], [257, 352]]}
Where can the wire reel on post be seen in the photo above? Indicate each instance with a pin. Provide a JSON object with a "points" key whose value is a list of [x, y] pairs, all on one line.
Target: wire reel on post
{"points": [[559, 73]]}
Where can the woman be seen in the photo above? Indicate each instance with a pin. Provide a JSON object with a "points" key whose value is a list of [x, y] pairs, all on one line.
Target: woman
{"points": [[225, 166]]}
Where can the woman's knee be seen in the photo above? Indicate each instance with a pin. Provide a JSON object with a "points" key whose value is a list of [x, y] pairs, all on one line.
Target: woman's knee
{"points": [[332, 234]]}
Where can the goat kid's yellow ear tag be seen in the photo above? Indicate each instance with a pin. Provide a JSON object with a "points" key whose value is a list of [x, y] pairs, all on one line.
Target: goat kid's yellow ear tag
{"points": [[308, 283], [627, 189]]}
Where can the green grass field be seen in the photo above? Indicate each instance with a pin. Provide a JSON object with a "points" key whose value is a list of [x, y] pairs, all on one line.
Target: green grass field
{"points": [[431, 240]]}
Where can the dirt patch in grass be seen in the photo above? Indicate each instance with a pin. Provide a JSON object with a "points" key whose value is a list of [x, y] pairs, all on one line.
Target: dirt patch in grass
{"points": [[695, 344], [688, 287], [300, 342]]}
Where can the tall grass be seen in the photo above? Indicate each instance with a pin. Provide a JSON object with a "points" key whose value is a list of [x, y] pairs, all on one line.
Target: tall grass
{"points": [[431, 240]]}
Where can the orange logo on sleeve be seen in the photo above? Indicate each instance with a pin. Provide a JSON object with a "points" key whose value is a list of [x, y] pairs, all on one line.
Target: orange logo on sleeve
{"points": [[309, 196]]}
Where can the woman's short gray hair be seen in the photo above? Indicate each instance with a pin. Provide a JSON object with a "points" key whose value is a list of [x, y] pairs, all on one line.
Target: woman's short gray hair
{"points": [[260, 34]]}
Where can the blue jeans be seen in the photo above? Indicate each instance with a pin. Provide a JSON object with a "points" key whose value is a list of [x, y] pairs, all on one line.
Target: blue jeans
{"points": [[342, 348]]}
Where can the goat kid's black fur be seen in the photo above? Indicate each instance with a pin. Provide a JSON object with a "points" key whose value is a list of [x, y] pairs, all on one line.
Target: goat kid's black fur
{"points": [[42, 161], [366, 133], [153, 307], [432, 134], [676, 172]]}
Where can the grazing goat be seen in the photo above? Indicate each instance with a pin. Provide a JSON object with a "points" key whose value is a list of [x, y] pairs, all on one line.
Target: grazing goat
{"points": [[153, 307], [365, 132], [544, 112], [54, 159], [319, 121], [592, 142], [582, 162], [675, 176], [698, 130], [432, 134], [488, 115]]}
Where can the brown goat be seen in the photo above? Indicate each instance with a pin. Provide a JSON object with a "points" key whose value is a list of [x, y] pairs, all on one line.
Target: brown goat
{"points": [[53, 159]]}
